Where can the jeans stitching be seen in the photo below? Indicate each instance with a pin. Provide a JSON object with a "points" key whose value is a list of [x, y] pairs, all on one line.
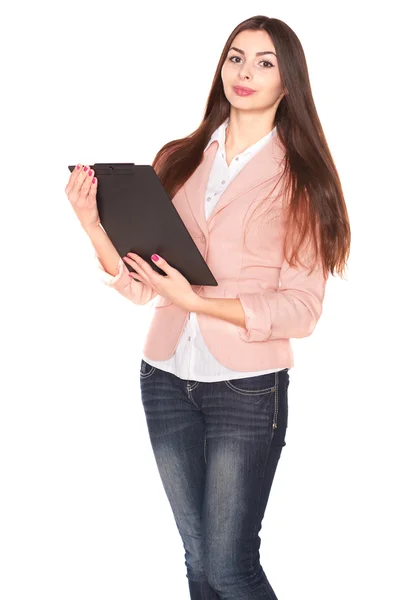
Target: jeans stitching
{"points": [[145, 375], [189, 393], [194, 386], [275, 421], [249, 392]]}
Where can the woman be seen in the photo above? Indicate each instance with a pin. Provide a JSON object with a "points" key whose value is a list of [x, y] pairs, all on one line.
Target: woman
{"points": [[255, 178]]}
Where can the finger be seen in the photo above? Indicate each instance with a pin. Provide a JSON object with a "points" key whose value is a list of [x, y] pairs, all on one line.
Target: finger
{"points": [[136, 277], [137, 274], [81, 179], [137, 268], [143, 265], [73, 177], [86, 185], [87, 181], [148, 268], [93, 189], [162, 264]]}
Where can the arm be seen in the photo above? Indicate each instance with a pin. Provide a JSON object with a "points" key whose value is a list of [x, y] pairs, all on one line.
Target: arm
{"points": [[227, 309], [292, 311], [113, 271]]}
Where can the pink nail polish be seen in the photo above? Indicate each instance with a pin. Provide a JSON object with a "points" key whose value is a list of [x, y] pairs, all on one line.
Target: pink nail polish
{"points": [[154, 257]]}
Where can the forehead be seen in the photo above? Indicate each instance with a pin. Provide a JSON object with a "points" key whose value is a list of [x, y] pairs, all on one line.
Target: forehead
{"points": [[253, 41]]}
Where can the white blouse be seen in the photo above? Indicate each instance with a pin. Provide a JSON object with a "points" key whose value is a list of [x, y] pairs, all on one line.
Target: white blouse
{"points": [[192, 360]]}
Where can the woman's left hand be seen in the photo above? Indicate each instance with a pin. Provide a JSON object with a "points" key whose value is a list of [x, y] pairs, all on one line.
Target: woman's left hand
{"points": [[173, 286]]}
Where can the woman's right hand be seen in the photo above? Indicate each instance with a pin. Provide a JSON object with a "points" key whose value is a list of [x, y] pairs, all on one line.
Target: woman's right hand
{"points": [[81, 191]]}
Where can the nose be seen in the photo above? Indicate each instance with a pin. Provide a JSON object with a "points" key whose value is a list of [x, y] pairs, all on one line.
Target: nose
{"points": [[245, 73]]}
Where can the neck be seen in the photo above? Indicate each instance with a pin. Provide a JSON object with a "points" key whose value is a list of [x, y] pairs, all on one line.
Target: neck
{"points": [[245, 129]]}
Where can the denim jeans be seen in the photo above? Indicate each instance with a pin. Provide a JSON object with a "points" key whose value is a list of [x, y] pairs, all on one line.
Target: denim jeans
{"points": [[217, 446]]}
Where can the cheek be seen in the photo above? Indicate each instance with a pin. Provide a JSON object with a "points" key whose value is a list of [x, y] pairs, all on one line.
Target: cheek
{"points": [[227, 71], [276, 85], [271, 89]]}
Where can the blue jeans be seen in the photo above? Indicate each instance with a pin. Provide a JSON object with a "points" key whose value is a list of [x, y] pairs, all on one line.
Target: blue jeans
{"points": [[217, 446]]}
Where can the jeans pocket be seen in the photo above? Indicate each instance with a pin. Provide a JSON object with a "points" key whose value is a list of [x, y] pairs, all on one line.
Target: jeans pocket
{"points": [[256, 386], [146, 370]]}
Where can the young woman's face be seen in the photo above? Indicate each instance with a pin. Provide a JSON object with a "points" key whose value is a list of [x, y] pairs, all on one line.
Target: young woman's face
{"points": [[243, 67]]}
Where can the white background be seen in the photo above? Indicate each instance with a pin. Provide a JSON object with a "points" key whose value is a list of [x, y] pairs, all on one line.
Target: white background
{"points": [[83, 514]]}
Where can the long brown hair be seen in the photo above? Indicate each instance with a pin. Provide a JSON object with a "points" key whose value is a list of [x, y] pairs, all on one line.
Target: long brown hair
{"points": [[315, 206]]}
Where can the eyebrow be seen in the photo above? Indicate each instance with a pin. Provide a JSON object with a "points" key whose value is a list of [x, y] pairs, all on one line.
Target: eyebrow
{"points": [[257, 53]]}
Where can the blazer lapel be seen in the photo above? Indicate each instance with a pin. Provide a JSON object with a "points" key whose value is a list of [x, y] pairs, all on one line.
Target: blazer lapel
{"points": [[267, 163]]}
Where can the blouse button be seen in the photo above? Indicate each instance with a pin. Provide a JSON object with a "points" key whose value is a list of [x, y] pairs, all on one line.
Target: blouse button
{"points": [[223, 181]]}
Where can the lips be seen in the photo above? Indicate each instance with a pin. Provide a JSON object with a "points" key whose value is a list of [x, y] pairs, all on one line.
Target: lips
{"points": [[243, 89]]}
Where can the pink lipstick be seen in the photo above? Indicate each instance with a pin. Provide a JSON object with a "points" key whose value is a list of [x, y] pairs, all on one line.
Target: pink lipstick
{"points": [[243, 91]]}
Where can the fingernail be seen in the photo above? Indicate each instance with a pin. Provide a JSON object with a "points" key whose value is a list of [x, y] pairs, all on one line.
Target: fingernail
{"points": [[154, 256]]}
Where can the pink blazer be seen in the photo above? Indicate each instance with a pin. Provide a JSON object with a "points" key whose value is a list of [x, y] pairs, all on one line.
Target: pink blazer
{"points": [[279, 302]]}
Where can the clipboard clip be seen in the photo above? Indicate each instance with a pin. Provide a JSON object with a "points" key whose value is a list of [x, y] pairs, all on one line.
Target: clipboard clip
{"points": [[113, 168]]}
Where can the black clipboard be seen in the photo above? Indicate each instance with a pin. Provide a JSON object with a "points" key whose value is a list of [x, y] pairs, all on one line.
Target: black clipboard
{"points": [[138, 216]]}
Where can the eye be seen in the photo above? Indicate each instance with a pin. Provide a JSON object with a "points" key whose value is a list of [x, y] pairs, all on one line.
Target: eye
{"points": [[263, 61]]}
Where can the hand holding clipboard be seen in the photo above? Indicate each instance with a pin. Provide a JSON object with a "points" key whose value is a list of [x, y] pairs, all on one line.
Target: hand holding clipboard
{"points": [[81, 190], [138, 216]]}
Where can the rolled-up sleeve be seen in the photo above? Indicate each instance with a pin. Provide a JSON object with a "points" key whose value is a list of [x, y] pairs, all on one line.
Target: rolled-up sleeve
{"points": [[292, 311], [135, 291]]}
